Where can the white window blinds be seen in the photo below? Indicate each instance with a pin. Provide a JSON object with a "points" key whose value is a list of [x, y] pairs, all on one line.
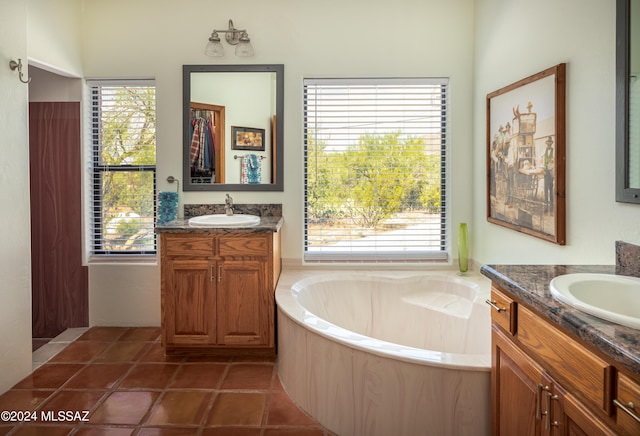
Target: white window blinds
{"points": [[375, 169], [123, 165]]}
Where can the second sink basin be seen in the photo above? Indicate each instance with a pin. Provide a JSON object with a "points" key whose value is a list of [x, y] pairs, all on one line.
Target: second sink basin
{"points": [[222, 220], [612, 297]]}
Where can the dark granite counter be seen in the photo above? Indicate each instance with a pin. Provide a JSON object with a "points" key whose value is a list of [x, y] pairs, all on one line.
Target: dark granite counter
{"points": [[266, 225], [530, 284], [270, 219]]}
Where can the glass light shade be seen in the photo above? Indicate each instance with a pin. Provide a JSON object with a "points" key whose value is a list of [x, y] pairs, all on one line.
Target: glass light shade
{"points": [[214, 49], [244, 48], [463, 248]]}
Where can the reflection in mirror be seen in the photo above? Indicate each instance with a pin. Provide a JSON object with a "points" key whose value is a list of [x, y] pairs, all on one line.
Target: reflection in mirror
{"points": [[233, 118], [634, 96], [628, 101]]}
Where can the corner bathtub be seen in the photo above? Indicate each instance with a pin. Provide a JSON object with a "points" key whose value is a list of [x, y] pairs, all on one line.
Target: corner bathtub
{"points": [[384, 354]]}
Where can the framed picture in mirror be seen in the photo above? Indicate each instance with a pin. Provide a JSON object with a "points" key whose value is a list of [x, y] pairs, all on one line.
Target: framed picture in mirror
{"points": [[247, 138]]}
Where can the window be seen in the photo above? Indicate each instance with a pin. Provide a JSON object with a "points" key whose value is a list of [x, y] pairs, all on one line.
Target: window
{"points": [[123, 168], [375, 169]]}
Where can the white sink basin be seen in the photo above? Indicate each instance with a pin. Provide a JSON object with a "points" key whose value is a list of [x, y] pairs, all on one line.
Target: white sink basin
{"points": [[222, 220], [612, 297]]}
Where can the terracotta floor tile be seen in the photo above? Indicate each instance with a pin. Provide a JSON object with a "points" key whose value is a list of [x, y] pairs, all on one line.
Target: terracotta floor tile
{"points": [[15, 400], [121, 352], [145, 334], [231, 431], [121, 376], [198, 376], [77, 401], [80, 352], [208, 359], [248, 376], [283, 411], [104, 431], [40, 430], [246, 359], [124, 408], [98, 376], [294, 432], [180, 408], [156, 354], [149, 376], [103, 333], [277, 385], [49, 376], [231, 408], [166, 431]]}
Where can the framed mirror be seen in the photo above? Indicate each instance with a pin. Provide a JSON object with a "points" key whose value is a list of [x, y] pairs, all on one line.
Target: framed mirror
{"points": [[233, 127], [628, 101]]}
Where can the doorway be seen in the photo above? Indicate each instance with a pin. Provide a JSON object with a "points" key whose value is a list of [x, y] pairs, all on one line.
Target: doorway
{"points": [[59, 279]]}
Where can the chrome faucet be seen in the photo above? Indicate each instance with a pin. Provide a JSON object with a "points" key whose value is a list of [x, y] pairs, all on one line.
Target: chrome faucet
{"points": [[228, 205]]}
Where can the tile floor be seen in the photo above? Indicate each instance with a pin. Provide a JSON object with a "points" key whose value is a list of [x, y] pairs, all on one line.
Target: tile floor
{"points": [[125, 385]]}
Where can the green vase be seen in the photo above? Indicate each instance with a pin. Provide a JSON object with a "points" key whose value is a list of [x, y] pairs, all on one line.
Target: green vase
{"points": [[463, 248]]}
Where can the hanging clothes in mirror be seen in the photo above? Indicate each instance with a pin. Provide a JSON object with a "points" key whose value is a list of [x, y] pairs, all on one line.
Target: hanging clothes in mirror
{"points": [[202, 151]]}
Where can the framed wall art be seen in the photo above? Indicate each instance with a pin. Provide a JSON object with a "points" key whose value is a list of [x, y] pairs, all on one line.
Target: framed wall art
{"points": [[247, 138], [526, 155]]}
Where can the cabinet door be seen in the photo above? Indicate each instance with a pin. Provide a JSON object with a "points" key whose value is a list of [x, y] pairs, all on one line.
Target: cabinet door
{"points": [[245, 311], [189, 306], [628, 398], [516, 390], [527, 401], [569, 417]]}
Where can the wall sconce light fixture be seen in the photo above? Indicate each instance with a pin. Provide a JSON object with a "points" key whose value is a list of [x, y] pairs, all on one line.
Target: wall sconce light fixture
{"points": [[234, 36]]}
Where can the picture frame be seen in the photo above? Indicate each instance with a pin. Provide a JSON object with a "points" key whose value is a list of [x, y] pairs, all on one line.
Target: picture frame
{"points": [[526, 156], [247, 138]]}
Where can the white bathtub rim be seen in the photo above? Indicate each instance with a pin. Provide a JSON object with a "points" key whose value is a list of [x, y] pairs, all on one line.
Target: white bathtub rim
{"points": [[289, 307]]}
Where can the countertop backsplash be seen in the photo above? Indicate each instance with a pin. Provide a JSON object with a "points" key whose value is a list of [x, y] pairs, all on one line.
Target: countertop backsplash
{"points": [[262, 210], [627, 259]]}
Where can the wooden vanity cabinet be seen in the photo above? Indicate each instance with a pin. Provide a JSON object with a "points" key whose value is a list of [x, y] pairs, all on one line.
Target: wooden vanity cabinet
{"points": [[218, 292], [546, 382], [528, 401]]}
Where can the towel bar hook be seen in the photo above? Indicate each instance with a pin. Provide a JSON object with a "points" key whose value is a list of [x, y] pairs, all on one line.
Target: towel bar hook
{"points": [[18, 66], [172, 179]]}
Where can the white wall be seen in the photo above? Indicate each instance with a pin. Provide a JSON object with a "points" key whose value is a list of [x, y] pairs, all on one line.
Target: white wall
{"points": [[47, 86], [329, 38], [54, 31], [509, 48], [15, 236], [312, 39], [53, 39]]}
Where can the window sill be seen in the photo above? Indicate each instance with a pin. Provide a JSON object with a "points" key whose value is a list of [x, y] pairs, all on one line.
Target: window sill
{"points": [[142, 260]]}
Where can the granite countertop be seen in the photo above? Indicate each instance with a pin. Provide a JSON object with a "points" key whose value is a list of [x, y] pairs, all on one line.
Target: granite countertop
{"points": [[530, 284], [268, 224], [270, 219]]}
